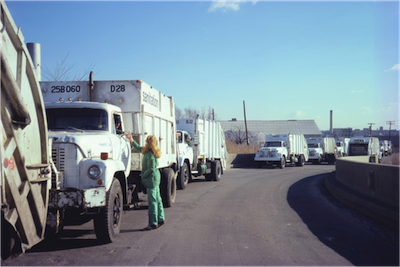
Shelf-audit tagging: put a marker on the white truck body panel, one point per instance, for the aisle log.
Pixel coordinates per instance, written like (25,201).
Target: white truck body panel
(329,145)
(25,148)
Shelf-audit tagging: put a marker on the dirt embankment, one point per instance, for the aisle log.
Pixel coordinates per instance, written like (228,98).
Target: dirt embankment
(391,160)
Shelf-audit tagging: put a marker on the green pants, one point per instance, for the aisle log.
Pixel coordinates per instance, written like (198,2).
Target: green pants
(156,209)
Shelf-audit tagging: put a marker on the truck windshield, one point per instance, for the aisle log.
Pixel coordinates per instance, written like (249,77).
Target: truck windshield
(78,118)
(273,144)
(313,145)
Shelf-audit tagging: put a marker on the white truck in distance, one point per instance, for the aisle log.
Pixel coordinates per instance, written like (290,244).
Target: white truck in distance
(363,146)
(342,147)
(330,150)
(315,150)
(205,154)
(281,149)
(322,149)
(99,172)
(384,147)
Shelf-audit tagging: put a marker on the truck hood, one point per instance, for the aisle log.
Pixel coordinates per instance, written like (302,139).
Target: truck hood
(91,144)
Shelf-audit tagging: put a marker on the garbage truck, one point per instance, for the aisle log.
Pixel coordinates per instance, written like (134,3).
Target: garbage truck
(342,145)
(365,146)
(100,175)
(26,165)
(322,149)
(202,150)
(283,149)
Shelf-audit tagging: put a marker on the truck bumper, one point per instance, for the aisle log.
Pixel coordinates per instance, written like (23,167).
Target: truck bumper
(267,159)
(314,156)
(73,198)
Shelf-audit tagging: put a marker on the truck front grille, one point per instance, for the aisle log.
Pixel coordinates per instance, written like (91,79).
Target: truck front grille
(58,156)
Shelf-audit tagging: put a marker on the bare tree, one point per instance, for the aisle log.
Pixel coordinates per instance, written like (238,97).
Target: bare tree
(63,71)
(236,135)
(191,113)
(178,113)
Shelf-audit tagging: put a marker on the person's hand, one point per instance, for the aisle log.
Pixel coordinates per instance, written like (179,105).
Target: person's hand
(129,137)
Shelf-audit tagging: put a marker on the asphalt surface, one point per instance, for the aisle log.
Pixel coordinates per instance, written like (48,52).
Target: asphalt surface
(267,216)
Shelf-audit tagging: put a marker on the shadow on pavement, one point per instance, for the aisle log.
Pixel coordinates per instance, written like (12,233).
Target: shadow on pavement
(352,235)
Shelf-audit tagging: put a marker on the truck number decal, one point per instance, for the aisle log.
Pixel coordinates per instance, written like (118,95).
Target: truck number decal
(63,89)
(117,88)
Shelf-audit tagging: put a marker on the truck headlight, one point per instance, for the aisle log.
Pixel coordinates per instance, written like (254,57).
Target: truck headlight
(94,172)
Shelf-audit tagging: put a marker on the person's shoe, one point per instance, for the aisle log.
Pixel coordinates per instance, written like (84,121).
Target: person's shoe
(161,223)
(150,227)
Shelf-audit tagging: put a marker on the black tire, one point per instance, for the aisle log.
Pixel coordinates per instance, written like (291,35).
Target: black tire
(107,224)
(10,242)
(168,187)
(282,164)
(216,170)
(303,160)
(183,177)
(300,161)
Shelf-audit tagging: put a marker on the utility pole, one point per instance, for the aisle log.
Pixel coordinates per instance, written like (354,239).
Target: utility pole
(370,128)
(390,128)
(245,123)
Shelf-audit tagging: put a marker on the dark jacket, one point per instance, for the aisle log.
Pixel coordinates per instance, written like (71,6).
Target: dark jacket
(150,173)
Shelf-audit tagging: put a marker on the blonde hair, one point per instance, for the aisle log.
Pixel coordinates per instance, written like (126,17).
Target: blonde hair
(152,144)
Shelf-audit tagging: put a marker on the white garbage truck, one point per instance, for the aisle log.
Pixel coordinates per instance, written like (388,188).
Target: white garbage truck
(384,144)
(365,146)
(281,149)
(315,149)
(100,175)
(330,150)
(322,149)
(342,145)
(26,149)
(201,150)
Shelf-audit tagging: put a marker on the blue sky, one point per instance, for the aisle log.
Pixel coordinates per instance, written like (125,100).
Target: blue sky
(285,59)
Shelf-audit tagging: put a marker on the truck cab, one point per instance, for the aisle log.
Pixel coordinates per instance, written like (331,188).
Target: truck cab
(93,158)
(273,152)
(185,158)
(315,150)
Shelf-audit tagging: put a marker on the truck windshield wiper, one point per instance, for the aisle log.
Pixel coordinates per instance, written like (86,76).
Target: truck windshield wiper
(76,129)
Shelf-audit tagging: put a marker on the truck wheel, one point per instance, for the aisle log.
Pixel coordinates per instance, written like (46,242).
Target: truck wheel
(300,161)
(10,242)
(282,164)
(183,177)
(215,170)
(168,187)
(107,223)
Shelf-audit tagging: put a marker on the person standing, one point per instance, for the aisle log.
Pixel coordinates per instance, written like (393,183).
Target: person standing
(151,179)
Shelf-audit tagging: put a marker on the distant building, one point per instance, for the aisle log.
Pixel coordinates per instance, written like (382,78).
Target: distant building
(235,130)
(342,132)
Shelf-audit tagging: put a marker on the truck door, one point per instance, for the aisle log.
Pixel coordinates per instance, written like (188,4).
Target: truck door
(121,145)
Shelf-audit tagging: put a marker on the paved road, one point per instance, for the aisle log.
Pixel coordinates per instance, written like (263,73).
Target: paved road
(251,216)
